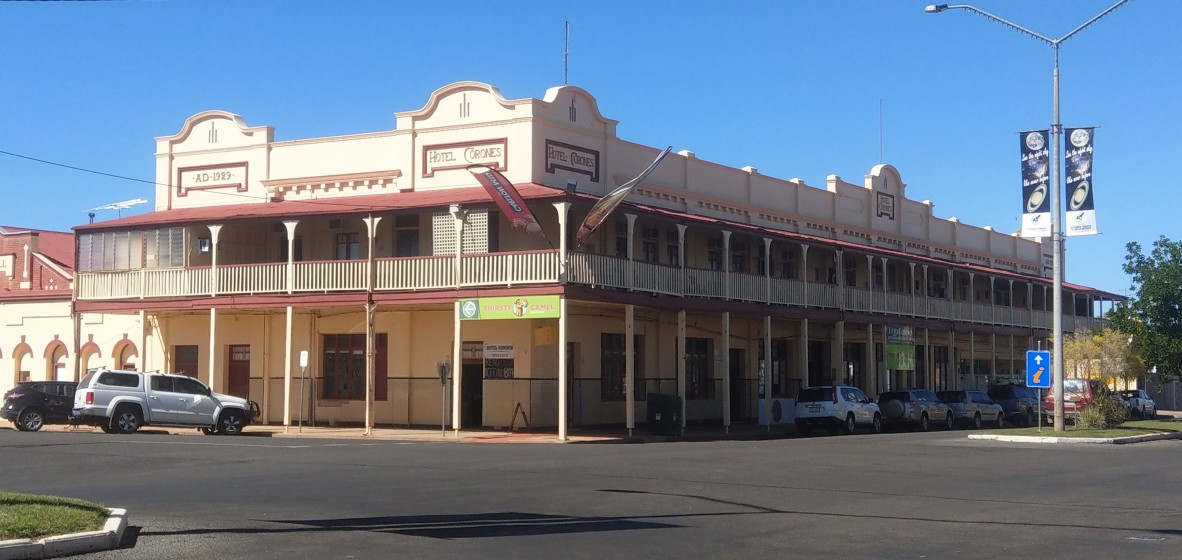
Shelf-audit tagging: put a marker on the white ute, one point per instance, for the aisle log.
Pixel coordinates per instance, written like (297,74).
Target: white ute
(120,401)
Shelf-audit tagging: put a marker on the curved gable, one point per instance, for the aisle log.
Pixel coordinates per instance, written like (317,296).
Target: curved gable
(459,103)
(220,129)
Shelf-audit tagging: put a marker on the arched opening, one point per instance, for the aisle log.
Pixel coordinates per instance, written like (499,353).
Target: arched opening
(125,355)
(19,371)
(88,350)
(55,362)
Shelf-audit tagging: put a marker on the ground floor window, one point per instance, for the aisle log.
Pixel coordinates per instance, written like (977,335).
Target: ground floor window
(698,384)
(612,365)
(343,362)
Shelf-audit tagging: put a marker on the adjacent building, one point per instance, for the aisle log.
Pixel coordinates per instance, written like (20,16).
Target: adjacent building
(369,278)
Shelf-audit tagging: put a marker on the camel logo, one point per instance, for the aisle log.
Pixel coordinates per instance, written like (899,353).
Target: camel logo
(520,307)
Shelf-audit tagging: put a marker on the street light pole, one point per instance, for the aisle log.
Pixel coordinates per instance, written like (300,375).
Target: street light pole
(1056,170)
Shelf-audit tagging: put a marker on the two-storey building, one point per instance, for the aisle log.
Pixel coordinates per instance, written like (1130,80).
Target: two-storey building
(383,258)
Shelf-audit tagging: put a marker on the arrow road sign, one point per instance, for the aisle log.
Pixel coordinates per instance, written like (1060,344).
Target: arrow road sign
(1038,369)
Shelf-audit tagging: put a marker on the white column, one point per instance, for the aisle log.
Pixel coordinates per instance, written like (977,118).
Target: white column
(563,380)
(457,369)
(804,352)
(838,353)
(767,270)
(973,358)
(563,209)
(681,384)
(629,367)
(143,342)
(870,380)
(804,277)
(214,231)
(213,348)
(681,253)
(370,374)
(768,370)
(992,358)
(631,283)
(726,264)
(951,376)
(287,345)
(929,367)
(726,370)
(457,215)
(291,230)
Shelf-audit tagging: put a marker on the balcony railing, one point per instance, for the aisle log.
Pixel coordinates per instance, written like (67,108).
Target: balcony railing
(542,267)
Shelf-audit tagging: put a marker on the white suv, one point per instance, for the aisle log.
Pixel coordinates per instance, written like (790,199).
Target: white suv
(837,408)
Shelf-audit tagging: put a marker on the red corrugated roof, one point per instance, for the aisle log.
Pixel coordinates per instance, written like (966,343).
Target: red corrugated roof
(322,206)
(56,245)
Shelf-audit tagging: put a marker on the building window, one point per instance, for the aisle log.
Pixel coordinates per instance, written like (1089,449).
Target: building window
(113,250)
(739,257)
(714,253)
(164,248)
(673,247)
(406,235)
(622,240)
(878,277)
(348,248)
(297,249)
(787,263)
(698,384)
(185,359)
(343,365)
(851,273)
(612,374)
(650,238)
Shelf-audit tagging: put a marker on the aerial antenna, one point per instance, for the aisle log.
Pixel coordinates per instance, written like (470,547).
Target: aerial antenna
(880,130)
(566,57)
(118,206)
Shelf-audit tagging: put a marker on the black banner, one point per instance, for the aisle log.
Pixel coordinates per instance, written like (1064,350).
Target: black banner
(1077,154)
(1036,193)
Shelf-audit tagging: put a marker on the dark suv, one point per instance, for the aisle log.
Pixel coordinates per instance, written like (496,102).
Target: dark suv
(1020,403)
(33,404)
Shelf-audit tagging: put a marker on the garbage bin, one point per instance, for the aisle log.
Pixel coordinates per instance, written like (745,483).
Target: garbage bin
(664,414)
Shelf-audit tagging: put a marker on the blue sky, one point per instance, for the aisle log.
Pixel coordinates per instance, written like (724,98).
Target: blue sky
(792,88)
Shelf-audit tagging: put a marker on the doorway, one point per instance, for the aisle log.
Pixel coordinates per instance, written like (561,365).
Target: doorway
(472,395)
(740,395)
(239,371)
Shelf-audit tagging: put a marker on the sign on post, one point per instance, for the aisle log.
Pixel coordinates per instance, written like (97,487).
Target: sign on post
(1038,369)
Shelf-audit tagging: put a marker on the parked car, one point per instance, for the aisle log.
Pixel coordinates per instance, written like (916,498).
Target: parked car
(1139,403)
(837,408)
(33,404)
(972,408)
(1020,403)
(123,401)
(1078,394)
(918,408)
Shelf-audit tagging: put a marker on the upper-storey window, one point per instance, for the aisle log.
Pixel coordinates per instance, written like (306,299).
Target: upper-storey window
(406,235)
(739,257)
(348,247)
(787,263)
(650,239)
(851,273)
(714,253)
(673,247)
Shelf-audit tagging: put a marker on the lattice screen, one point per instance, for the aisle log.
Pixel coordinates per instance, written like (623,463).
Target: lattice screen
(443,233)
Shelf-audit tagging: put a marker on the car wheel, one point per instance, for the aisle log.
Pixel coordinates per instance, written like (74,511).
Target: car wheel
(1001,420)
(209,431)
(107,429)
(30,420)
(230,423)
(1149,415)
(977,421)
(923,423)
(949,422)
(850,423)
(876,424)
(127,420)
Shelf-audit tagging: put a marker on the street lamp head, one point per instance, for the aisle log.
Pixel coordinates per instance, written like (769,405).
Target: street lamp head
(935,8)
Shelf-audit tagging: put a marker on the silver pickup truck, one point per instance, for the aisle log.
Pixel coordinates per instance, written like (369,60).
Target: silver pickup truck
(121,401)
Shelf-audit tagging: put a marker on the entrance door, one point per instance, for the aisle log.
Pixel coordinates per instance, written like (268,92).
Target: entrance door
(239,370)
(472,396)
(739,393)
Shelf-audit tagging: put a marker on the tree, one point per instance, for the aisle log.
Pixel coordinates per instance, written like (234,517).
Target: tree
(1106,354)
(1153,315)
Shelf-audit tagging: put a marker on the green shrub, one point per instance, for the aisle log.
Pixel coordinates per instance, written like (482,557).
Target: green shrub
(1106,412)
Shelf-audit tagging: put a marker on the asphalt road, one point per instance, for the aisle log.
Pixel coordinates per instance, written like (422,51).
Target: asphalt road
(900,495)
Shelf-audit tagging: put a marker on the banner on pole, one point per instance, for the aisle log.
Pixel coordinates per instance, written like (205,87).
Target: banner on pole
(611,200)
(1036,194)
(507,198)
(1081,210)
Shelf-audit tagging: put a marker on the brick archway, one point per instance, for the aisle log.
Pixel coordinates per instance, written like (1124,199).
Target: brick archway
(124,350)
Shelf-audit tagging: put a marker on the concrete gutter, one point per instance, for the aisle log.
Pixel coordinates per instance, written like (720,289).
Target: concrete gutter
(68,545)
(1059,439)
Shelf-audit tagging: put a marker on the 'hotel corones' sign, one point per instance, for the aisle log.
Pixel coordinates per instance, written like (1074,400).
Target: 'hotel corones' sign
(572,158)
(442,157)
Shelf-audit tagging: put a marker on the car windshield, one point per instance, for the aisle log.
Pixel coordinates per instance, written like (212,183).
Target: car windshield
(949,396)
(815,394)
(1075,386)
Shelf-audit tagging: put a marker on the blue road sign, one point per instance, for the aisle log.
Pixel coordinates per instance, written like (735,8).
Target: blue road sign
(1038,369)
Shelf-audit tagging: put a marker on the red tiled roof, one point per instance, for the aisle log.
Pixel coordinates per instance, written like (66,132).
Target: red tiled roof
(56,245)
(322,206)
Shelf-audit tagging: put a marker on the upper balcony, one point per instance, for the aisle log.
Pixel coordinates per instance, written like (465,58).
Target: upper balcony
(509,269)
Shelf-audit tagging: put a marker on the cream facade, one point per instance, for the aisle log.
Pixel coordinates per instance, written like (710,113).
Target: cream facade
(723,285)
